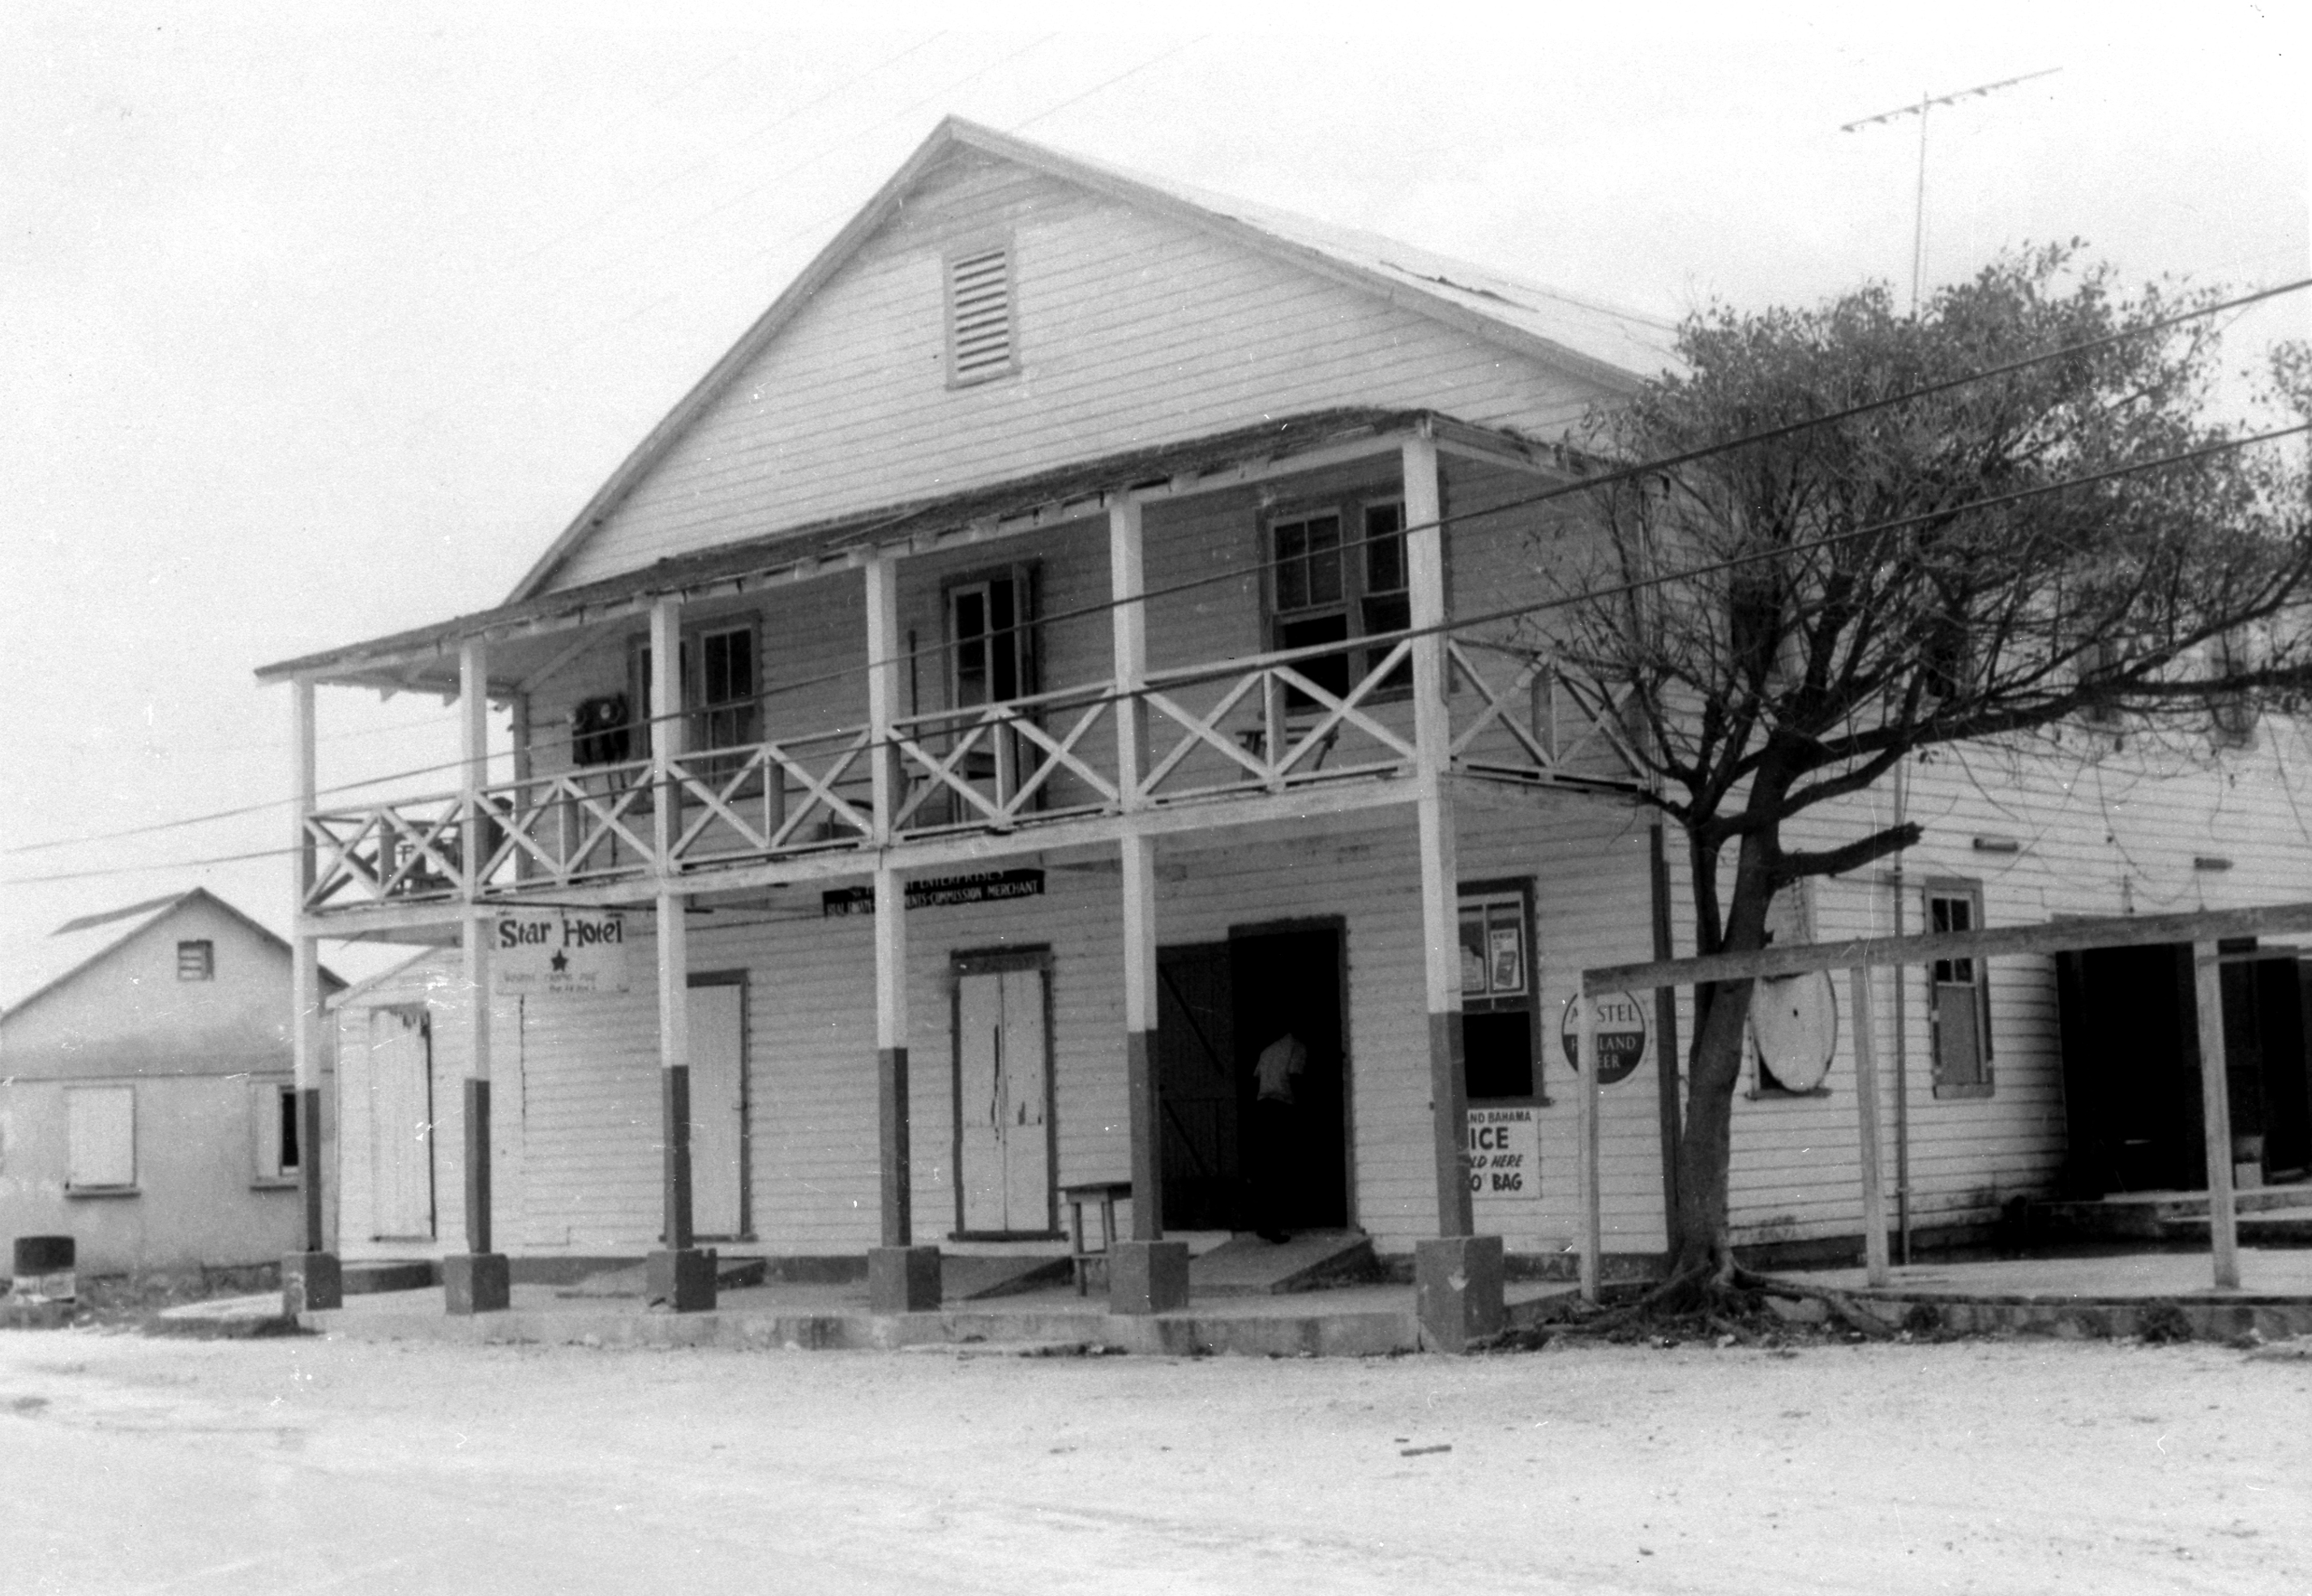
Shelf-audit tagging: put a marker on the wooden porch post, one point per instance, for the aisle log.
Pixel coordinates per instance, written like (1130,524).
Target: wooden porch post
(310,1276)
(1588,1187)
(1147,1274)
(1458,1276)
(1866,1116)
(901,1276)
(1441,909)
(476,1281)
(2216,1110)
(678,1274)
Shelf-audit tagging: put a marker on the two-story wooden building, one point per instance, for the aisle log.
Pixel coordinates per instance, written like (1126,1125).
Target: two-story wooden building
(1077,585)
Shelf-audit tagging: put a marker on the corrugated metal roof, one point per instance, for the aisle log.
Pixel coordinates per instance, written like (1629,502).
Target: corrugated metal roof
(1627,340)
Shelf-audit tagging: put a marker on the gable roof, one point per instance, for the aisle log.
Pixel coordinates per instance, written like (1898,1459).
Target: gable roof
(76,944)
(1613,347)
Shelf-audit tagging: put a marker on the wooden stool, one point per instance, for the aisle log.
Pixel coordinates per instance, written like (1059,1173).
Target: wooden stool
(1105,1193)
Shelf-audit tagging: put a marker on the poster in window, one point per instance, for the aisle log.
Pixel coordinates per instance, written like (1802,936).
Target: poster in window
(1509,957)
(1473,954)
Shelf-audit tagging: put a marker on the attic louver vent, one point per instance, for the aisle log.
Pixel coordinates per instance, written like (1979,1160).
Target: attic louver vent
(979,316)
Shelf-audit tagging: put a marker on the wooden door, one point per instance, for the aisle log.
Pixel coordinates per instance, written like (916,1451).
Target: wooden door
(1198,1092)
(401,1126)
(718,1107)
(1004,1096)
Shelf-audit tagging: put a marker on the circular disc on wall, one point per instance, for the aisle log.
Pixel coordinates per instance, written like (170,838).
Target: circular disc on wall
(1794,1025)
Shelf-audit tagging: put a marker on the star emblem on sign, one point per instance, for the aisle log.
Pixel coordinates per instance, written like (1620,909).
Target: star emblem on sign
(561,961)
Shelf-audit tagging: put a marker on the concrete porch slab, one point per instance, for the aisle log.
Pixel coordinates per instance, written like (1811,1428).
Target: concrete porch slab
(1249,1267)
(2113,1294)
(1355,1322)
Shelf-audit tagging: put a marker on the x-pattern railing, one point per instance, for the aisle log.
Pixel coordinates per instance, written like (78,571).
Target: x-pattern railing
(1254,727)
(569,825)
(1546,729)
(981,765)
(742,798)
(407,849)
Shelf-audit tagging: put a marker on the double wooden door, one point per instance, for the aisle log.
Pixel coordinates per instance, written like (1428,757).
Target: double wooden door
(1003,1153)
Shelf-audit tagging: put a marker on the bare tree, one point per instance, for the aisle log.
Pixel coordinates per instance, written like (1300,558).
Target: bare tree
(1784,621)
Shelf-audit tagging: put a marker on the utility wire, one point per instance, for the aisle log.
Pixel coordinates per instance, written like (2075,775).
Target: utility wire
(1510,612)
(1257,567)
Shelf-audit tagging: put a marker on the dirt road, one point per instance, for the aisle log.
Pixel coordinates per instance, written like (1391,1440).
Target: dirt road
(134,1465)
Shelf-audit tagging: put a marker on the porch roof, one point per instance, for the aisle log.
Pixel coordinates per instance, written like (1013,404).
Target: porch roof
(425,658)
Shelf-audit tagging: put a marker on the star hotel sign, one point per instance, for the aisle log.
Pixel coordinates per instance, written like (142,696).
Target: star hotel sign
(553,952)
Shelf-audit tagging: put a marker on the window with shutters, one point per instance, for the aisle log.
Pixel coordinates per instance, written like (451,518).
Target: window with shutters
(100,1138)
(982,331)
(1958,998)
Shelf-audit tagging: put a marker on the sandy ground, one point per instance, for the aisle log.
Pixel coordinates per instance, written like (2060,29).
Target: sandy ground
(136,1465)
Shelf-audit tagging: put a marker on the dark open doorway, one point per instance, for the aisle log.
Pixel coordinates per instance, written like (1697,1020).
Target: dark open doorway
(2132,1066)
(1220,1004)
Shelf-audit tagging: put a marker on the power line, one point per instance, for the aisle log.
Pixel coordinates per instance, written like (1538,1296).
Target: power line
(1257,567)
(1487,618)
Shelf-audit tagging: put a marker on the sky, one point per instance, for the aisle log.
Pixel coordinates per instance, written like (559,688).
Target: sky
(319,322)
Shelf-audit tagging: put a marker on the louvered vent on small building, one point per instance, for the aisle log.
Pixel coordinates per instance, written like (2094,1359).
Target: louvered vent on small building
(980,341)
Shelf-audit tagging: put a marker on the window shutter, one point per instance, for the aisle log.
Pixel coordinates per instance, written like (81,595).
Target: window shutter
(979,340)
(100,1135)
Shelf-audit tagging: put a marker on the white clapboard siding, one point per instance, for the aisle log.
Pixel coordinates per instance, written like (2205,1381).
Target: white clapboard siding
(1132,329)
(432,984)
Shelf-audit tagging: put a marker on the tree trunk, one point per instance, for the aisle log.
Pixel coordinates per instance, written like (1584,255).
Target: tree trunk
(1701,1256)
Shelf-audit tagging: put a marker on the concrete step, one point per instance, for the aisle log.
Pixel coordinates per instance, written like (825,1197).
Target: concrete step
(1249,1267)
(2155,1215)
(375,1274)
(973,1277)
(629,1280)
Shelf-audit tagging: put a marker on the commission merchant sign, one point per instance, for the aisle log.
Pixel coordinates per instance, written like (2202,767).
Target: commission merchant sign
(990,887)
(551,952)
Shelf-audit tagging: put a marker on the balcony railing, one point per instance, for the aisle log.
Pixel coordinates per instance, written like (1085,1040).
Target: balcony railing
(1264,725)
(1000,765)
(1238,728)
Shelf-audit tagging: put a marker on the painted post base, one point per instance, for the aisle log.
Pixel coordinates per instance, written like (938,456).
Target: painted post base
(477,1282)
(903,1279)
(311,1281)
(1147,1277)
(1457,1291)
(683,1282)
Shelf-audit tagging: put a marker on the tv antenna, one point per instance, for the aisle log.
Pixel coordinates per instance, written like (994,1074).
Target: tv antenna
(1926,102)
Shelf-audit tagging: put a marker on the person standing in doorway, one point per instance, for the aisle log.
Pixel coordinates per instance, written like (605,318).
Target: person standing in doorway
(1276,1074)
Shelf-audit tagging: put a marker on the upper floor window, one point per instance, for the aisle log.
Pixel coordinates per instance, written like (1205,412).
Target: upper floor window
(981,345)
(1336,575)
(721,690)
(990,652)
(195,961)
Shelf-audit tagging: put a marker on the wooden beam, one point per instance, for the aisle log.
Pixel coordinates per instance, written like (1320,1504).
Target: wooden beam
(894,1157)
(2051,936)
(2216,1110)
(1866,1118)
(1440,893)
(1588,1144)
